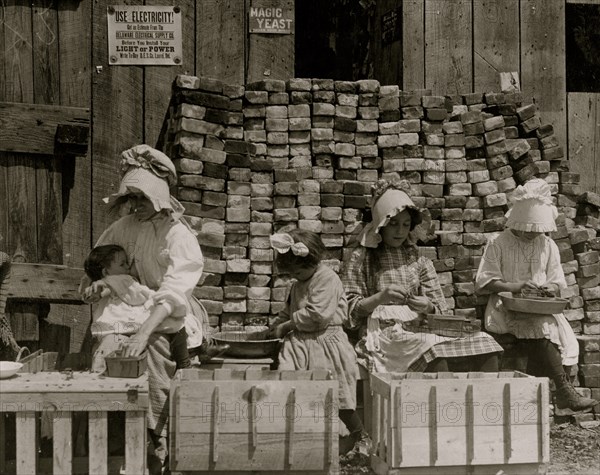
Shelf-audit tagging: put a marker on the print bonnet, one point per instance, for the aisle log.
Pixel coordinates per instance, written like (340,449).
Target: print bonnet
(147,170)
(532,209)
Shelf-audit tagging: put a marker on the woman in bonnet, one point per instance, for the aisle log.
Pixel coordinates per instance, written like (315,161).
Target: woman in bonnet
(164,255)
(522,258)
(388,283)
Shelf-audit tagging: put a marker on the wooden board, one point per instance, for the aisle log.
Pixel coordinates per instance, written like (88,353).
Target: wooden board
(388,66)
(495,42)
(40,282)
(74,16)
(448,47)
(584,138)
(221,40)
(117,105)
(413,44)
(46,84)
(543,75)
(270,56)
(31,128)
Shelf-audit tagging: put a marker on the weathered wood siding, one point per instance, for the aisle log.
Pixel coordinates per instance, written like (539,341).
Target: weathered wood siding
(55,53)
(460,46)
(584,138)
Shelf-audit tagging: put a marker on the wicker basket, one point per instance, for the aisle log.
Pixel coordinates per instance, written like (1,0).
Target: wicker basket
(526,306)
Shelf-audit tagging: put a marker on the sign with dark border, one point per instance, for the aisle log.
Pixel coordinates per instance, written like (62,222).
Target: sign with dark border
(273,20)
(144,35)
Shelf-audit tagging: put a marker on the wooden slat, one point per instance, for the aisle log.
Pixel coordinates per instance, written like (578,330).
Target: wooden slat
(3,199)
(589,2)
(17,59)
(22,235)
(49,210)
(62,445)
(3,442)
(45,33)
(220,47)
(46,282)
(495,42)
(74,16)
(135,442)
(448,46)
(30,128)
(388,64)
(117,105)
(413,44)
(584,138)
(158,79)
(271,56)
(543,75)
(26,443)
(98,442)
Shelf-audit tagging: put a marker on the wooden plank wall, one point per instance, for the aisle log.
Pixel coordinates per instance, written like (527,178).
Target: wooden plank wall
(584,138)
(459,46)
(130,102)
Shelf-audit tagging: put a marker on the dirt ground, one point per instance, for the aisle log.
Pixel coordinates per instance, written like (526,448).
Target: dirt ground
(573,451)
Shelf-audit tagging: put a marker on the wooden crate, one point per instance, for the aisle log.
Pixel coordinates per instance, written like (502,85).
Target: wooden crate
(253,421)
(59,395)
(482,423)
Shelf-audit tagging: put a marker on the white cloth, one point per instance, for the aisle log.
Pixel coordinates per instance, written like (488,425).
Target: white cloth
(166,257)
(395,349)
(512,259)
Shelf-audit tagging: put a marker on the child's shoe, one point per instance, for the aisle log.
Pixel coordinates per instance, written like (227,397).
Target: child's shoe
(567,397)
(363,445)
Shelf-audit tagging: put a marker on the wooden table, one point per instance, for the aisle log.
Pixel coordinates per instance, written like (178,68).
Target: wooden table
(61,394)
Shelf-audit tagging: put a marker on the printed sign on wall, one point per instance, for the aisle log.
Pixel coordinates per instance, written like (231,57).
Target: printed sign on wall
(277,20)
(144,35)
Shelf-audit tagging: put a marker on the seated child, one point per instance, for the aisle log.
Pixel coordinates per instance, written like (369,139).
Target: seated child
(312,323)
(126,304)
(523,257)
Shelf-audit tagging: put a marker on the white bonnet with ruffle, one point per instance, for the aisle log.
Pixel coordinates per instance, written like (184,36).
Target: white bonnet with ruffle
(388,205)
(532,209)
(147,170)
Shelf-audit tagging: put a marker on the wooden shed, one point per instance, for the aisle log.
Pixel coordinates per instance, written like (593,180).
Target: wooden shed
(55,74)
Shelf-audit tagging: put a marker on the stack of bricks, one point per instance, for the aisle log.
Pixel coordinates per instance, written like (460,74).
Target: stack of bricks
(275,155)
(586,249)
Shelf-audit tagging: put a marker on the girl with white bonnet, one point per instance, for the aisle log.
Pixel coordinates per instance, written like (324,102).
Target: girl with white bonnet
(523,257)
(164,255)
(388,283)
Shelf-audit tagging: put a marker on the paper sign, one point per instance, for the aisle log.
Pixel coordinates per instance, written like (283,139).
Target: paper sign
(144,35)
(275,20)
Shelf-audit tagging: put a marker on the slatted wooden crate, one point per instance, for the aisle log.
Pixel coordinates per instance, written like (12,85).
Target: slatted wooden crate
(254,421)
(443,423)
(60,395)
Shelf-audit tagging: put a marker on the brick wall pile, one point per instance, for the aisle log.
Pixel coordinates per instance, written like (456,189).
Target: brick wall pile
(276,155)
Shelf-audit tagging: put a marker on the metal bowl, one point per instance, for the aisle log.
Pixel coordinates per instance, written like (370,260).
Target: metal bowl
(247,344)
(538,306)
(9,368)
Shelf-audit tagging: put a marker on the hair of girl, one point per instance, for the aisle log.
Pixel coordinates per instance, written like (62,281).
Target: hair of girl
(315,246)
(100,258)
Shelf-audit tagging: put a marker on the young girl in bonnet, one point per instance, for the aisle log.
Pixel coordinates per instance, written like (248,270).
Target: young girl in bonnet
(388,283)
(523,257)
